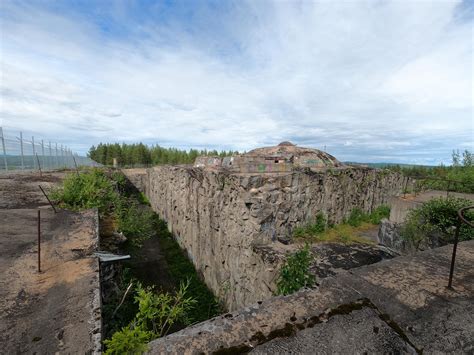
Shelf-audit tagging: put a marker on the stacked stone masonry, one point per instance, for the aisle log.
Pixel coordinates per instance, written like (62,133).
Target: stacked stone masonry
(225,220)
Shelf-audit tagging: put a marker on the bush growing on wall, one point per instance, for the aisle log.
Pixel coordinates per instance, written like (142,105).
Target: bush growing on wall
(295,274)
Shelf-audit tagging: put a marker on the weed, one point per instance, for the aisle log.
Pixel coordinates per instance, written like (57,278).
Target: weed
(157,312)
(295,274)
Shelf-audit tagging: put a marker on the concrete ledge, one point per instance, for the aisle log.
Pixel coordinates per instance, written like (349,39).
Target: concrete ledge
(407,294)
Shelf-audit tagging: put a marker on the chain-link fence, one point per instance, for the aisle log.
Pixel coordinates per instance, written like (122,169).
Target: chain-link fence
(30,153)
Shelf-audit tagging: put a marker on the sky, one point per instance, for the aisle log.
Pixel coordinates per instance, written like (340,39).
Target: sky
(369,81)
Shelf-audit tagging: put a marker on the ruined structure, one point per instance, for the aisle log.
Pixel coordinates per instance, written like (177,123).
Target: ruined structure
(284,157)
(229,218)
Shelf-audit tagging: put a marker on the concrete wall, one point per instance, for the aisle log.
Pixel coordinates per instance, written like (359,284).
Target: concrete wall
(227,222)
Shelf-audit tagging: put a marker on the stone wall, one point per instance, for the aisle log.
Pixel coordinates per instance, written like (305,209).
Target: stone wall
(227,223)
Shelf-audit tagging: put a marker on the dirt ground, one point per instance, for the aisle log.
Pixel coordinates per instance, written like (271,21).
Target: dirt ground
(57,309)
(21,189)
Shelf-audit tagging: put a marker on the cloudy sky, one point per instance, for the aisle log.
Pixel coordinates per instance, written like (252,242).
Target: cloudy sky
(371,81)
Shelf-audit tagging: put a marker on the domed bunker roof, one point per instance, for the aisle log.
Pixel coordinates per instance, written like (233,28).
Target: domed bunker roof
(299,156)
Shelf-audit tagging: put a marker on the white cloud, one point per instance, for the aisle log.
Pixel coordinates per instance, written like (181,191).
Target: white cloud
(369,80)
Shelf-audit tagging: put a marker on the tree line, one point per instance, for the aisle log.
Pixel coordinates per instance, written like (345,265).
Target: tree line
(139,154)
(456,177)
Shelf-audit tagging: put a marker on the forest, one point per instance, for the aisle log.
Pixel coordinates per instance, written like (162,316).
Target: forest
(141,155)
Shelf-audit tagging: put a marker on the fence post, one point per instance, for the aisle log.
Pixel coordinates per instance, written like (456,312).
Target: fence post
(34,151)
(50,157)
(42,153)
(4,150)
(62,157)
(21,151)
(57,158)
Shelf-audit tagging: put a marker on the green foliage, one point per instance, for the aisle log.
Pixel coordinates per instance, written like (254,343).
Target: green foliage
(112,320)
(379,213)
(157,312)
(437,218)
(295,274)
(94,188)
(128,341)
(143,155)
(357,217)
(135,222)
(89,189)
(319,226)
(347,232)
(181,268)
(460,174)
(143,199)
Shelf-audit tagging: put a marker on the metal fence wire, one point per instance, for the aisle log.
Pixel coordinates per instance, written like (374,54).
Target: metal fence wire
(30,153)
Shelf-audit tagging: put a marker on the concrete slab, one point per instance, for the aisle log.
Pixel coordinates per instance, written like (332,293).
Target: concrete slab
(359,332)
(405,298)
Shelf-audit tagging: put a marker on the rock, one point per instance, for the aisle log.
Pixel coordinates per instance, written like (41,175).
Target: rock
(228,213)
(285,240)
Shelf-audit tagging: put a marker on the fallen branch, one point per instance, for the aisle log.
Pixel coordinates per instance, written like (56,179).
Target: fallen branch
(123,299)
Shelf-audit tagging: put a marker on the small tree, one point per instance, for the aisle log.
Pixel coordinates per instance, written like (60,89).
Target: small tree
(156,315)
(456,158)
(295,274)
(467,158)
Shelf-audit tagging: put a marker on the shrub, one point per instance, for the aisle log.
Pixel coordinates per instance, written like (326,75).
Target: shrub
(357,217)
(135,222)
(436,219)
(89,189)
(295,274)
(319,226)
(156,314)
(128,341)
(379,213)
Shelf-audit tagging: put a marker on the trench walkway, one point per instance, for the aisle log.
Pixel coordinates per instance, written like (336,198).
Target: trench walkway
(398,305)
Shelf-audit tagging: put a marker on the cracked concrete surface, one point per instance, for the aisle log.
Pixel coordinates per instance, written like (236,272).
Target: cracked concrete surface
(395,306)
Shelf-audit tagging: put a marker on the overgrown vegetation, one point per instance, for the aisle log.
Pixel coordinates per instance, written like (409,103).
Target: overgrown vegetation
(143,155)
(295,274)
(434,222)
(112,195)
(96,188)
(157,312)
(460,174)
(89,189)
(347,232)
(181,269)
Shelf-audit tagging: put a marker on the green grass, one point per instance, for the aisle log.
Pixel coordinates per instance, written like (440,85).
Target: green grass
(346,232)
(182,269)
